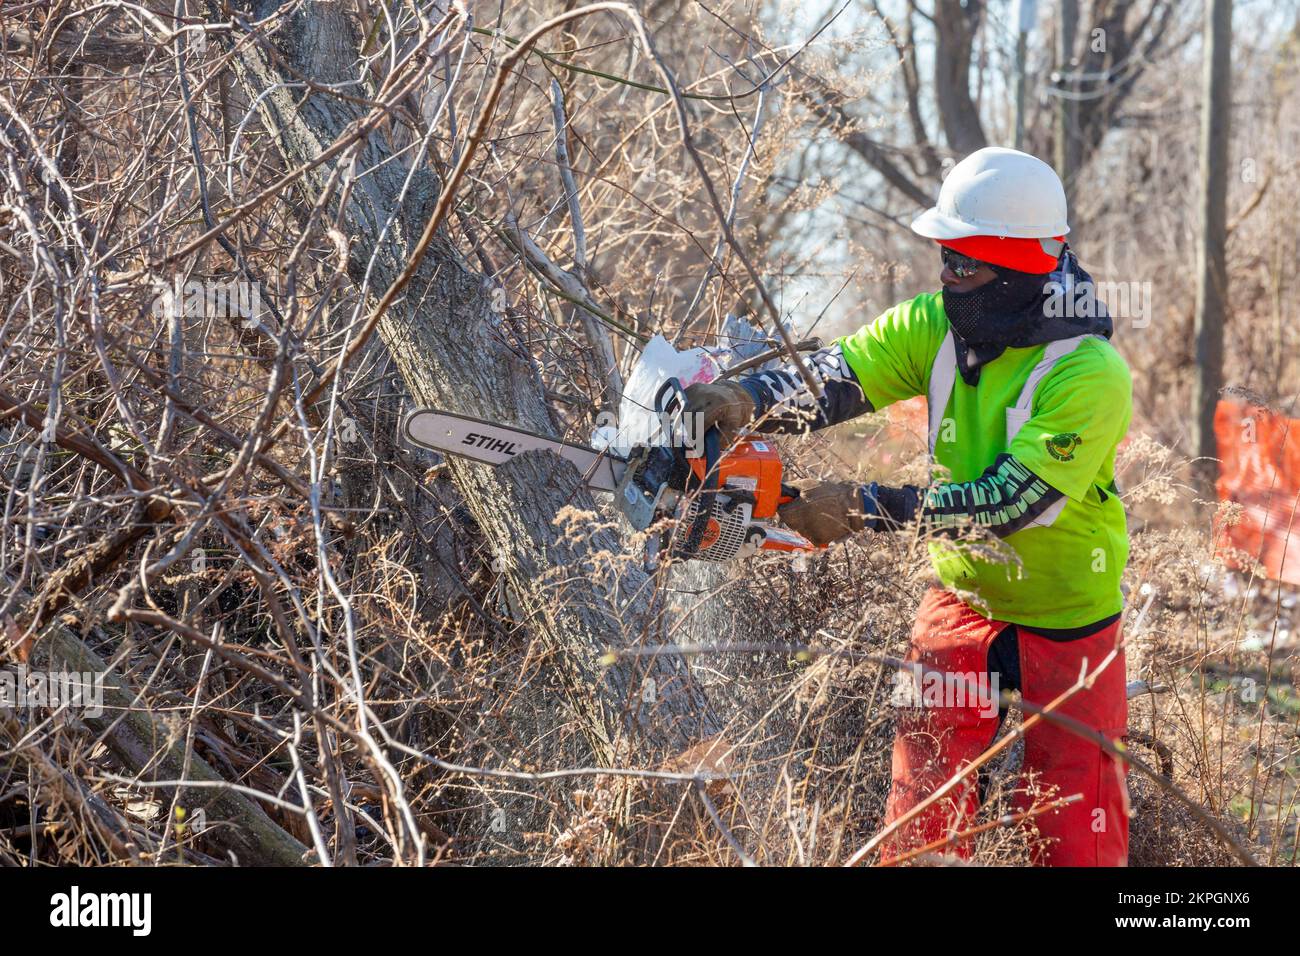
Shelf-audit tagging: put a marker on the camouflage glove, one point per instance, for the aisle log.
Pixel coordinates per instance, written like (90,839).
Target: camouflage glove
(725,404)
(824,511)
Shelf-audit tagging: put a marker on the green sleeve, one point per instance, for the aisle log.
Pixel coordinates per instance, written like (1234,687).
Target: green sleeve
(1081,411)
(892,356)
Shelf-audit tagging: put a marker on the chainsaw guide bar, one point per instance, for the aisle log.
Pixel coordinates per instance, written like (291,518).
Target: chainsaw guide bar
(493,444)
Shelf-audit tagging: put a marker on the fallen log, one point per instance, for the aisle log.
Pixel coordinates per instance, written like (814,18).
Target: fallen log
(146,748)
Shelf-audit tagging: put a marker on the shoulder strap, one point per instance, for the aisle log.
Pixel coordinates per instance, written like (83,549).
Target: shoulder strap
(943,374)
(1054,352)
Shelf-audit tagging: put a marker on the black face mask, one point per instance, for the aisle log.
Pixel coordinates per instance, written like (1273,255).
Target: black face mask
(998,315)
(1001,312)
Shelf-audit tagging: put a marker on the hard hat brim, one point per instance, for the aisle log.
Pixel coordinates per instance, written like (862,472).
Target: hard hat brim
(932,224)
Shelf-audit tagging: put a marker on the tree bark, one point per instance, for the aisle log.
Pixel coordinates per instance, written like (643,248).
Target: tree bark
(454,352)
(1065,117)
(1211,263)
(955,26)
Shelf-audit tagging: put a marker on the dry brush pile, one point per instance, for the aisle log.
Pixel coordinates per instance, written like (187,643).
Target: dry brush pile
(320,643)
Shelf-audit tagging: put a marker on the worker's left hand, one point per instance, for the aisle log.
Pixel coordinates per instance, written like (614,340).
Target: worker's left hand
(825,511)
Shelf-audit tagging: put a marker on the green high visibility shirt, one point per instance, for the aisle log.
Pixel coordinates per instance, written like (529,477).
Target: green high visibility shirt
(1065,575)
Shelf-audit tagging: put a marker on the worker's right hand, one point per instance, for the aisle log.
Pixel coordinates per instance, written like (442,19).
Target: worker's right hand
(728,405)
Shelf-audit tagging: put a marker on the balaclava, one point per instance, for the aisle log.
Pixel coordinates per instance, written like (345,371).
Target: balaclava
(1013,311)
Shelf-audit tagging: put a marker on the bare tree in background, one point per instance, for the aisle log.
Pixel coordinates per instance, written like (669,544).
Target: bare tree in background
(1101,51)
(319,644)
(1211,251)
(1066,135)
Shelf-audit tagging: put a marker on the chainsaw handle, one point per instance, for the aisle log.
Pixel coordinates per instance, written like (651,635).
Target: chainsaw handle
(672,384)
(676,406)
(670,400)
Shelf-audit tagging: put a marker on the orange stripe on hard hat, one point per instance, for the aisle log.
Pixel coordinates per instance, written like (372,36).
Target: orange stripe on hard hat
(1023,255)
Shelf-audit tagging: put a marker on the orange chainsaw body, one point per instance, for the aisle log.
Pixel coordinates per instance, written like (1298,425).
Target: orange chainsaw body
(751,465)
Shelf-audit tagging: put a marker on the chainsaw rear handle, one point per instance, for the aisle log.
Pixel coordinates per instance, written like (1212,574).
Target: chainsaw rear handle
(671,400)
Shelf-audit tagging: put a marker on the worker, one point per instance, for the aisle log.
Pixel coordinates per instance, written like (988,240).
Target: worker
(1028,400)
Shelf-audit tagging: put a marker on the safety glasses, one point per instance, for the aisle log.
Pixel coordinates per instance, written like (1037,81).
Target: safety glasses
(963,267)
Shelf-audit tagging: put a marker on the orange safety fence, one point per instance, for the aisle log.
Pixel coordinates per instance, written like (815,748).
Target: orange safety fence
(1259,452)
(884,447)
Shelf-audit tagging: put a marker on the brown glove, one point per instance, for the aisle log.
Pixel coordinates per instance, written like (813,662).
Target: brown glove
(725,404)
(824,511)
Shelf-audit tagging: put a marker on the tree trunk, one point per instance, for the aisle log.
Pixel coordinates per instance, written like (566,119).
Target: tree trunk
(454,352)
(1211,264)
(955,26)
(1024,17)
(1065,120)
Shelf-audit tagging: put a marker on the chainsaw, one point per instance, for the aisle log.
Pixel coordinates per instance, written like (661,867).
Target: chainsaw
(708,504)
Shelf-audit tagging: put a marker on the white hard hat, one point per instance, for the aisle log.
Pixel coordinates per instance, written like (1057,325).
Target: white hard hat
(997,191)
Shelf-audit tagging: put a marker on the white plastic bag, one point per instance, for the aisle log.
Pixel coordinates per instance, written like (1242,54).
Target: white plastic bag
(638,422)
